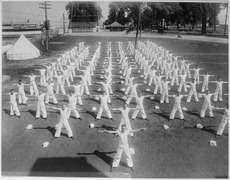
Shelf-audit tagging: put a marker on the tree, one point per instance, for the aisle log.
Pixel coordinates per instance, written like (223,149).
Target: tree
(83,11)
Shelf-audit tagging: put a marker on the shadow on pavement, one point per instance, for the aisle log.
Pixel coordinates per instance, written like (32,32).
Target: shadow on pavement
(64,167)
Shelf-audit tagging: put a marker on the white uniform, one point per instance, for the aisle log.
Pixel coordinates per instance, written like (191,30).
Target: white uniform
(165,92)
(196,74)
(63,121)
(33,86)
(66,77)
(139,105)
(50,93)
(13,105)
(106,89)
(158,84)
(182,83)
(177,107)
(218,91)
(41,108)
(205,82)
(60,84)
(84,85)
(175,77)
(77,93)
(43,77)
(224,121)
(206,105)
(192,92)
(123,146)
(125,119)
(72,105)
(21,94)
(133,93)
(104,106)
(130,82)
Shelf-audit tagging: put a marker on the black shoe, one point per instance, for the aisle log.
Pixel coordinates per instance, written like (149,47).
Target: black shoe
(19,117)
(146,119)
(97,119)
(132,169)
(133,137)
(110,104)
(72,137)
(111,169)
(183,119)
(217,135)
(37,118)
(111,119)
(20,104)
(25,104)
(170,119)
(45,118)
(80,118)
(133,119)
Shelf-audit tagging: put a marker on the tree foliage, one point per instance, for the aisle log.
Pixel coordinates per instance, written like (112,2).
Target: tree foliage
(83,11)
(161,14)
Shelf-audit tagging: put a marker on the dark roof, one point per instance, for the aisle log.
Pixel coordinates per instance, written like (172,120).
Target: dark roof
(115,24)
(82,24)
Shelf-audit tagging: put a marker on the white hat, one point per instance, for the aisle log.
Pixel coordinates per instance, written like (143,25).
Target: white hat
(91,125)
(122,82)
(131,150)
(141,75)
(151,98)
(145,82)
(120,71)
(213,143)
(30,126)
(156,107)
(184,109)
(94,109)
(148,90)
(139,71)
(166,126)
(45,144)
(123,89)
(97,98)
(199,126)
(99,89)
(124,97)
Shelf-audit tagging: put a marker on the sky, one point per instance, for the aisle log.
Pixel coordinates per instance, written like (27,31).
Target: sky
(24,11)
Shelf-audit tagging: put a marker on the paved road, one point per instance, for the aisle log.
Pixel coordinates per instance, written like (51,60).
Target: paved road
(154,35)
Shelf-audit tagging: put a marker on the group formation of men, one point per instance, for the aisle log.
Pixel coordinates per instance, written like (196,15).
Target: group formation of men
(158,68)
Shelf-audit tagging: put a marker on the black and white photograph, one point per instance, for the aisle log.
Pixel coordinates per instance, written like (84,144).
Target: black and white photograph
(115,89)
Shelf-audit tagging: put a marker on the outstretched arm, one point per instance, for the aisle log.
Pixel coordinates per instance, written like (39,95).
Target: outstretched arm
(136,130)
(110,132)
(54,108)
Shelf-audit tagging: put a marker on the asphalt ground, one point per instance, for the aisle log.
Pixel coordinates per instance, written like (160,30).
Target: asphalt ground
(182,151)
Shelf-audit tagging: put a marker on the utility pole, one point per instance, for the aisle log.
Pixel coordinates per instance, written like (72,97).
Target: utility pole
(138,26)
(45,6)
(226,17)
(63,23)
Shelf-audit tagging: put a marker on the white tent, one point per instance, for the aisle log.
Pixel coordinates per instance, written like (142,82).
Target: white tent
(23,49)
(6,48)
